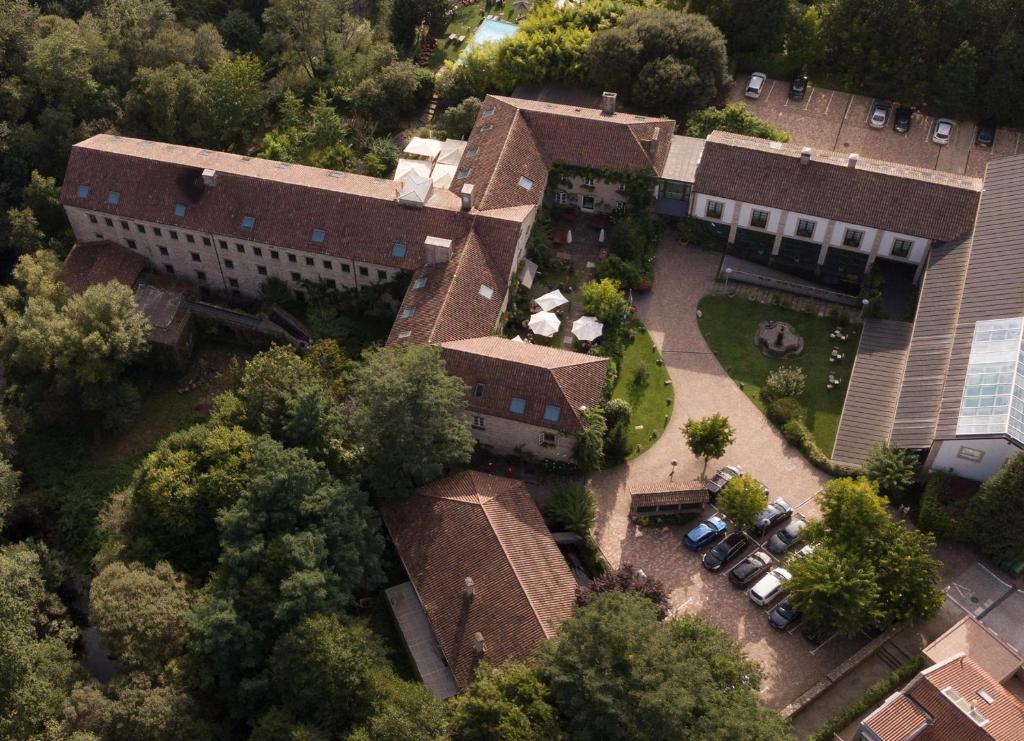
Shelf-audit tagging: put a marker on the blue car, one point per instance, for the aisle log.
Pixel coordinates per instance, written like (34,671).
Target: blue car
(709,530)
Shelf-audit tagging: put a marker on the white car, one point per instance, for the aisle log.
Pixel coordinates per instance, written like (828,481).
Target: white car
(769,587)
(943,131)
(755,85)
(879,115)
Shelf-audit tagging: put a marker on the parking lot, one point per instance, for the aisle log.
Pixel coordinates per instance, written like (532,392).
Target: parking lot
(990,598)
(838,121)
(791,663)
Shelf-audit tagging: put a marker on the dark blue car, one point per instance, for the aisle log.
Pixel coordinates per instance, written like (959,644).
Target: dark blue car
(704,533)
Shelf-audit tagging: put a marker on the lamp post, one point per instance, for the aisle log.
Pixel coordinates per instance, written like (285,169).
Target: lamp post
(672,473)
(863,307)
(728,272)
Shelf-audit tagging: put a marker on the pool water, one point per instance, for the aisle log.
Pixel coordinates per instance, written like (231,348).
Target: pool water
(489,31)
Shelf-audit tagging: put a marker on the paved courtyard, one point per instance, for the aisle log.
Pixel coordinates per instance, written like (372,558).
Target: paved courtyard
(791,664)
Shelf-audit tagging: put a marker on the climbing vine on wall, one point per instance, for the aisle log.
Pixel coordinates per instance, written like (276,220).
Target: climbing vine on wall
(636,184)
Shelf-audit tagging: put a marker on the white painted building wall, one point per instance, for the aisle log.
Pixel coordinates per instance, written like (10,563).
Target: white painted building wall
(793,220)
(957,454)
(506,436)
(917,252)
(700,205)
(839,229)
(747,211)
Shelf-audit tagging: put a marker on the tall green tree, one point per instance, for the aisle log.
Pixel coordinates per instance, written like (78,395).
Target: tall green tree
(402,710)
(854,516)
(994,517)
(835,592)
(234,100)
(742,499)
(409,419)
(735,117)
(604,299)
(954,86)
(509,702)
(709,437)
(892,468)
(589,446)
(749,25)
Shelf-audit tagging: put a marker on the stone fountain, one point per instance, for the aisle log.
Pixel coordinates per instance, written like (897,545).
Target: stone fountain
(778,339)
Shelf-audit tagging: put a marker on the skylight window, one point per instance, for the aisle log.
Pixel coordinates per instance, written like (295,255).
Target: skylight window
(487,111)
(993,398)
(517,406)
(318,236)
(248,222)
(486,291)
(463,173)
(472,151)
(525,183)
(113,198)
(485,128)
(408,311)
(398,250)
(405,333)
(83,191)
(179,209)
(552,412)
(419,283)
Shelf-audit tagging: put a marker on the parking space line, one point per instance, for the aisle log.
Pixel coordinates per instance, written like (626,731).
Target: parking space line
(807,500)
(793,630)
(822,644)
(770,89)
(810,97)
(828,105)
(989,572)
(1016,146)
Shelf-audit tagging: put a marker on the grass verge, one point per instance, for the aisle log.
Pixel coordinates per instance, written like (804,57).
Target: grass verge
(729,326)
(642,382)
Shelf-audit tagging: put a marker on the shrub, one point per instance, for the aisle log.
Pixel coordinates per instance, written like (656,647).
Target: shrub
(785,410)
(627,578)
(933,516)
(786,380)
(589,450)
(616,412)
(794,432)
(626,273)
(894,469)
(641,376)
(573,506)
(700,233)
(616,442)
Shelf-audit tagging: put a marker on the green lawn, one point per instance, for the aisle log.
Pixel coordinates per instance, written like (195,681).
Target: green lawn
(463,23)
(651,399)
(729,326)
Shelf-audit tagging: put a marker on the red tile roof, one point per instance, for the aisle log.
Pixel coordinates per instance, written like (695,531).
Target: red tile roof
(486,528)
(908,200)
(90,263)
(539,375)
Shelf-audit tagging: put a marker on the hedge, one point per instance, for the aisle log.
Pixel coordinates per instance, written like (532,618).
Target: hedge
(933,516)
(797,434)
(785,410)
(875,694)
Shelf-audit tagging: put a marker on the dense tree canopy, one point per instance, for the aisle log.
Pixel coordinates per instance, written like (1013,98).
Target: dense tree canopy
(742,499)
(736,118)
(994,518)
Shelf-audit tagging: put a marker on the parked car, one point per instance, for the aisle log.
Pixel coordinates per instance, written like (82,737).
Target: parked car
(755,85)
(787,537)
(879,115)
(723,477)
(725,551)
(986,135)
(770,586)
(783,616)
(943,131)
(901,120)
(706,532)
(750,568)
(798,88)
(776,512)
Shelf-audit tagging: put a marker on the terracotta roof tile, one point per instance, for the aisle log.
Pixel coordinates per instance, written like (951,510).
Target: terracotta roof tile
(487,528)
(651,493)
(539,375)
(907,200)
(90,263)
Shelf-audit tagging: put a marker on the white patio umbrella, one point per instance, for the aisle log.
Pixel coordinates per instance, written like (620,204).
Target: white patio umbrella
(568,236)
(517,338)
(551,300)
(600,237)
(587,328)
(544,323)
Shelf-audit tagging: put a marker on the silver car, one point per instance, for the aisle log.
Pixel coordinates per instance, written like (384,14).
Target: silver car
(755,85)
(879,115)
(787,537)
(943,131)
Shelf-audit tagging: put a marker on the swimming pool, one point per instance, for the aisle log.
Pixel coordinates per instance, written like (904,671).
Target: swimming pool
(489,31)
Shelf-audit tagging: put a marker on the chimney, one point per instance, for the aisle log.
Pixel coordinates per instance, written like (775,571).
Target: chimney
(467,196)
(469,589)
(437,250)
(852,162)
(479,647)
(805,156)
(608,103)
(209,177)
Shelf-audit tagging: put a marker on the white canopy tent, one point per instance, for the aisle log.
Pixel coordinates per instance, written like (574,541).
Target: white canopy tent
(412,167)
(451,152)
(421,147)
(544,323)
(551,300)
(442,175)
(587,328)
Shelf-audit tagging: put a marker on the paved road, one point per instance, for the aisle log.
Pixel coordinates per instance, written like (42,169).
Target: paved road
(702,387)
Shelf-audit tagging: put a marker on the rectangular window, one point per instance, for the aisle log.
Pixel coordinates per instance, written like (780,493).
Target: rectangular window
(398,250)
(472,151)
(478,422)
(233,282)
(239,247)
(561,197)
(517,405)
(248,222)
(970,454)
(479,390)
(174,234)
(157,232)
(113,198)
(200,275)
(179,209)
(190,239)
(82,191)
(229,264)
(261,270)
(328,265)
(318,236)
(140,228)
(548,441)
(714,209)
(346,268)
(223,245)
(196,257)
(108,222)
(257,251)
(408,311)
(124,225)
(292,258)
(131,244)
(207,242)
(588,181)
(169,269)
(759,219)
(587,203)
(296,277)
(552,412)
(275,255)
(163,250)
(852,238)
(310,262)
(382,275)
(419,283)
(364,271)
(676,191)
(92,219)
(525,183)
(805,228)
(329,281)
(902,247)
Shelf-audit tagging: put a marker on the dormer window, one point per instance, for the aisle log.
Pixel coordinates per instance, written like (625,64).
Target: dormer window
(525,183)
(248,222)
(113,198)
(179,209)
(486,112)
(419,283)
(472,151)
(318,236)
(398,250)
(82,191)
(552,412)
(404,334)
(408,311)
(486,291)
(463,173)
(517,406)
(485,128)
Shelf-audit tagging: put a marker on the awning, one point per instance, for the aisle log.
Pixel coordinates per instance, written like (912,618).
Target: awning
(429,148)
(528,272)
(451,152)
(544,323)
(551,300)
(412,167)
(442,175)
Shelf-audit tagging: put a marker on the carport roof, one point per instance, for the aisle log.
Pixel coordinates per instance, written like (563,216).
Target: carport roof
(908,200)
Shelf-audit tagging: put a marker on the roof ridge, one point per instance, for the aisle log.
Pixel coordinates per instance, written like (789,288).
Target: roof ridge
(586,357)
(518,117)
(448,290)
